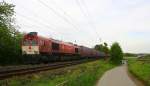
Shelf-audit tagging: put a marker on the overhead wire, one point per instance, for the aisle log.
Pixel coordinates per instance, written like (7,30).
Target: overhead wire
(87,15)
(37,22)
(58,14)
(37,16)
(38,28)
(42,23)
(64,12)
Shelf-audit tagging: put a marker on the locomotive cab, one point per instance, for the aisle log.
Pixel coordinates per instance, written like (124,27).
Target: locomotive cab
(30,44)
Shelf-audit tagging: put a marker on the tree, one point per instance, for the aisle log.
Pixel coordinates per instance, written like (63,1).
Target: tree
(130,55)
(9,37)
(116,53)
(102,47)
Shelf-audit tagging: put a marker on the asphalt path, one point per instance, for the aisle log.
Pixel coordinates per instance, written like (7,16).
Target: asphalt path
(116,77)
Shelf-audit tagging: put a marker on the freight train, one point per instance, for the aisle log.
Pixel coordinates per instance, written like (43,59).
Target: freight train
(38,49)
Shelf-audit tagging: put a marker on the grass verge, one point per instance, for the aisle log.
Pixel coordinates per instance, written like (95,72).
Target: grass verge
(140,69)
(85,74)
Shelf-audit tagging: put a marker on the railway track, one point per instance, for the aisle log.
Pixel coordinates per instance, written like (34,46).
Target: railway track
(21,71)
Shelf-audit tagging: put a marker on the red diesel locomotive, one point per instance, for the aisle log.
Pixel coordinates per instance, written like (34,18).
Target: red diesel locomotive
(37,49)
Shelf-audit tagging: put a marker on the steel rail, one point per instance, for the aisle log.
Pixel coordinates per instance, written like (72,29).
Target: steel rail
(8,74)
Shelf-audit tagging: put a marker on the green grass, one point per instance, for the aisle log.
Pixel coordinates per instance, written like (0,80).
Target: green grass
(141,70)
(85,74)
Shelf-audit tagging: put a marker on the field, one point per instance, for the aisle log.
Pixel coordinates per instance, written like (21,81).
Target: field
(141,69)
(85,74)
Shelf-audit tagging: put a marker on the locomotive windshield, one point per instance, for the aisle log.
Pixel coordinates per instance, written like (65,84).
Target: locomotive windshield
(30,42)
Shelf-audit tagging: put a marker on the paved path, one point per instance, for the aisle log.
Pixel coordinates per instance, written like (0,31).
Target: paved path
(116,77)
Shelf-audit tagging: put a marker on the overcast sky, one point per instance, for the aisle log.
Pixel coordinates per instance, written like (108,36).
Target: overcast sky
(89,22)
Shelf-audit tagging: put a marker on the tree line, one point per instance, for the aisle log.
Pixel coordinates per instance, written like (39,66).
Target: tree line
(114,53)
